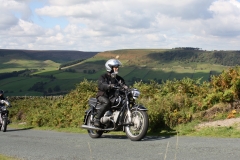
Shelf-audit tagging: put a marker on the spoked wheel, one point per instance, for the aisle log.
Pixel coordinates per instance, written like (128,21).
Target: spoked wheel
(4,125)
(93,133)
(139,128)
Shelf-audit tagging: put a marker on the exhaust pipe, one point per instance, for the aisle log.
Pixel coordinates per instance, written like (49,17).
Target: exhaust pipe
(90,127)
(95,128)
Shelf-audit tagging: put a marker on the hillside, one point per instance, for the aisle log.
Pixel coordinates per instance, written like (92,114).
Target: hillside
(54,55)
(181,56)
(17,60)
(38,76)
(163,64)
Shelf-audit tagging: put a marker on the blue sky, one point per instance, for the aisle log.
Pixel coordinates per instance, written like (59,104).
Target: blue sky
(101,25)
(45,21)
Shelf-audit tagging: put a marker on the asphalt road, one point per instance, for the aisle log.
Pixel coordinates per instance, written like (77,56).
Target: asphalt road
(32,144)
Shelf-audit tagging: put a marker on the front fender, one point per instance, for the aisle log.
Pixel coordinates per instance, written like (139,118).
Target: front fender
(139,107)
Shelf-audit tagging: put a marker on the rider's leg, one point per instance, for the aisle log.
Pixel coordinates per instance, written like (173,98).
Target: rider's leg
(105,103)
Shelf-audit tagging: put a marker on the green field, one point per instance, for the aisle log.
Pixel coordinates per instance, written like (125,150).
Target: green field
(19,64)
(18,86)
(138,65)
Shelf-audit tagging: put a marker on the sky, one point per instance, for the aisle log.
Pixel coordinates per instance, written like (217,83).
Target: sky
(103,25)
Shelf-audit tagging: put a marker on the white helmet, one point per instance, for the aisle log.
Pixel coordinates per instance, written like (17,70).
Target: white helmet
(112,63)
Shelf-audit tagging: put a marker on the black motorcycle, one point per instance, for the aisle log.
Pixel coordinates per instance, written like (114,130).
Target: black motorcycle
(4,121)
(125,115)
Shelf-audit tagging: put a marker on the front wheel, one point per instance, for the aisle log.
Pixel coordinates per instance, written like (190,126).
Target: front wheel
(4,125)
(140,125)
(93,133)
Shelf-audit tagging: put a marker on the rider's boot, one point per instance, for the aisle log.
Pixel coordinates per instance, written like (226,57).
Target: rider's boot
(99,114)
(96,122)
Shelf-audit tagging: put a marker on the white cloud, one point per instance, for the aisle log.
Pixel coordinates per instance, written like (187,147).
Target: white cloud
(6,21)
(115,24)
(225,21)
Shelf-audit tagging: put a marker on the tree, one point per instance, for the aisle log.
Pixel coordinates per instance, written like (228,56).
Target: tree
(57,88)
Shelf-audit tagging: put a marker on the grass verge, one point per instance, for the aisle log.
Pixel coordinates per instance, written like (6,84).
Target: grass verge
(221,132)
(3,157)
(190,129)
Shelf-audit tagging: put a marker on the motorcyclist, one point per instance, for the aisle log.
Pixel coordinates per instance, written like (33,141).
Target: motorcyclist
(2,104)
(2,96)
(106,84)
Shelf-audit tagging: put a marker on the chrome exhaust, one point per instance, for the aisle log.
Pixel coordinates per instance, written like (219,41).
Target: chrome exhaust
(90,127)
(96,128)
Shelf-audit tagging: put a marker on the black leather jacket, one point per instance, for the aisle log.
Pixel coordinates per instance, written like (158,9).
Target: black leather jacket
(103,84)
(2,97)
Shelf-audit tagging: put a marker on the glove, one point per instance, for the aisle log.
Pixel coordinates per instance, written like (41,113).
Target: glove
(110,86)
(125,87)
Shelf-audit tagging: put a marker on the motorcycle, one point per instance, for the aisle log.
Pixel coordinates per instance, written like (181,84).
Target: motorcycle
(4,121)
(124,115)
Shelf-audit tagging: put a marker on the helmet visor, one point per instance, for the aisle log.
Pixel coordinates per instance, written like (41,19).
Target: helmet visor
(115,66)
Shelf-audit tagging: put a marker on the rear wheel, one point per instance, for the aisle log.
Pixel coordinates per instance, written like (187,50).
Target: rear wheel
(139,128)
(93,133)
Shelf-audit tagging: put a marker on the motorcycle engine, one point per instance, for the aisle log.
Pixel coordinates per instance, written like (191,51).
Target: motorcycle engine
(115,116)
(109,115)
(106,118)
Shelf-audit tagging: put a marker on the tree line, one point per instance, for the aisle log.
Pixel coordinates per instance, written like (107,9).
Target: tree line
(226,58)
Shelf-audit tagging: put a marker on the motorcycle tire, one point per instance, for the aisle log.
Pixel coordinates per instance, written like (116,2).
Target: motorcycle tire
(4,125)
(140,125)
(93,133)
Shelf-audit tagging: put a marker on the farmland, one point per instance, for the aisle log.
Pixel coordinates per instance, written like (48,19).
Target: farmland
(45,77)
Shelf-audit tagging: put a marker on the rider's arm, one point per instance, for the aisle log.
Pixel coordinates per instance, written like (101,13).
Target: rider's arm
(103,84)
(122,81)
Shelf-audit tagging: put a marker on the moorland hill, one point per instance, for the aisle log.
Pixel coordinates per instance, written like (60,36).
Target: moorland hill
(57,72)
(54,55)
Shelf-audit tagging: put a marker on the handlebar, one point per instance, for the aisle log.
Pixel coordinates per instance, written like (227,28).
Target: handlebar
(5,102)
(116,87)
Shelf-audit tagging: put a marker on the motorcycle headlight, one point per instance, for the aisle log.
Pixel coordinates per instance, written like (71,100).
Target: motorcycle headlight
(135,93)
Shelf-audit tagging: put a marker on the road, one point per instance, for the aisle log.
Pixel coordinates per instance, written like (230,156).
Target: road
(30,144)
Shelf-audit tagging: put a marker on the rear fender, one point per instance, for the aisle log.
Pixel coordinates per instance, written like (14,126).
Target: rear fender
(139,107)
(87,113)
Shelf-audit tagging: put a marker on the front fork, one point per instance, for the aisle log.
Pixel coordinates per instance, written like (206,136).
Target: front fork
(129,115)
